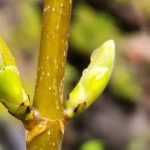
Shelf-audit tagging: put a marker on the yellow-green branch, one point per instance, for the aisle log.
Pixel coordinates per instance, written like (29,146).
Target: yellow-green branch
(50,74)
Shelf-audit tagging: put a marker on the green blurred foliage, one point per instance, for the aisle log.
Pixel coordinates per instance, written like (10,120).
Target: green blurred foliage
(93,145)
(141,142)
(27,31)
(124,83)
(3,110)
(143,5)
(90,29)
(1,147)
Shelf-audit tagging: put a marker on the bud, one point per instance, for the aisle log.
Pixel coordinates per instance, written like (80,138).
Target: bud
(93,81)
(12,94)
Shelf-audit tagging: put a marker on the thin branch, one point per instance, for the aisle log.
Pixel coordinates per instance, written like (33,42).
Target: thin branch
(50,75)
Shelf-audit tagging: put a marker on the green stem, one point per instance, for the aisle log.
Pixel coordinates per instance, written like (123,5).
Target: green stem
(50,76)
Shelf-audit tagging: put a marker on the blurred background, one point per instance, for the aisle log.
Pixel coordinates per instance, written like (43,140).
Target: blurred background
(120,120)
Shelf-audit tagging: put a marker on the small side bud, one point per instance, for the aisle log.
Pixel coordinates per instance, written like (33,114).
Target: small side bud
(93,81)
(12,94)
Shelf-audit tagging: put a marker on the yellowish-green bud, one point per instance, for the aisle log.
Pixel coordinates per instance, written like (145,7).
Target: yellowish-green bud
(93,81)
(12,94)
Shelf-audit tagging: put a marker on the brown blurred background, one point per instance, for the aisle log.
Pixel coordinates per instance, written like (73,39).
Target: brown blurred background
(120,120)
